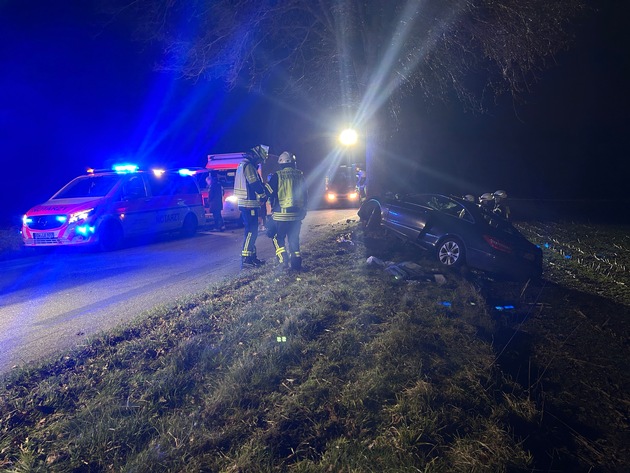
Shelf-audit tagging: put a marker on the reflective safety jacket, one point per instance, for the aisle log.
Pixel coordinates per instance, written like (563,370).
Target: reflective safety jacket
(289,194)
(248,186)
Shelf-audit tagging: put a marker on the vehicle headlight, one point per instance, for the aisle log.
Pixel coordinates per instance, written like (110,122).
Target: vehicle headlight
(232,198)
(353,195)
(26,220)
(331,196)
(80,215)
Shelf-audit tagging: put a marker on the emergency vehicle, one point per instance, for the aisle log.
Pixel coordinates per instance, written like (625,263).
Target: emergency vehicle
(341,187)
(225,166)
(105,207)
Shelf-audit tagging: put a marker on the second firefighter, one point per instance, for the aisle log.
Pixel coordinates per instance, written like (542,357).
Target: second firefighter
(289,198)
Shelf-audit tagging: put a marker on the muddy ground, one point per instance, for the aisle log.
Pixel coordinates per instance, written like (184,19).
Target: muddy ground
(565,339)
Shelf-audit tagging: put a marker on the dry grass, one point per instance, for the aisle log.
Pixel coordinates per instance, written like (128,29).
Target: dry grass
(341,368)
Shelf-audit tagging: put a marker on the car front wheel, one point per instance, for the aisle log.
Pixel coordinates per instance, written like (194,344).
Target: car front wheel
(189,227)
(450,253)
(110,236)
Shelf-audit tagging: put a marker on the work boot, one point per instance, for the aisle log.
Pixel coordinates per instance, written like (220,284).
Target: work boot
(251,261)
(296,263)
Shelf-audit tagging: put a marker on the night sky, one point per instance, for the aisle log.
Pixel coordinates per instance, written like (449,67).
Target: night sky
(75,94)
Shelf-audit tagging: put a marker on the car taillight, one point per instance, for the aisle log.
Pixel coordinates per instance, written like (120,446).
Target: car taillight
(497,244)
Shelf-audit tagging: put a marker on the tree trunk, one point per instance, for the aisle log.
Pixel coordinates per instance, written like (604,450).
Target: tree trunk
(375,158)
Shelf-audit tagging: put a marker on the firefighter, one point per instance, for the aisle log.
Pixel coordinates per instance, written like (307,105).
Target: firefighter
(251,192)
(288,209)
(361,183)
(500,204)
(486,201)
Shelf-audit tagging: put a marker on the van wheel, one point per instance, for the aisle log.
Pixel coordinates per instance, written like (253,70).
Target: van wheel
(189,227)
(110,236)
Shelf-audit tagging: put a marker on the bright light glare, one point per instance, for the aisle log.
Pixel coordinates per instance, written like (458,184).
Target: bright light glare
(348,137)
(123,168)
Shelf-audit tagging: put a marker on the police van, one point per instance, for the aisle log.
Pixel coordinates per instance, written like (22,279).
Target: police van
(105,207)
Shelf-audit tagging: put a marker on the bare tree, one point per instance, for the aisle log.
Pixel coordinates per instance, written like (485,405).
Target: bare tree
(362,55)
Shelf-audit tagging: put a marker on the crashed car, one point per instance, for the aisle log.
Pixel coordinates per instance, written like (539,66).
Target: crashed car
(457,232)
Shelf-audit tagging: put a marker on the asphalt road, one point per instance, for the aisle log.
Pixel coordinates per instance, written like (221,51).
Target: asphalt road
(56,300)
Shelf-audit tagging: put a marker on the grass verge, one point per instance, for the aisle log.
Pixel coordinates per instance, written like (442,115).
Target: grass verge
(344,368)
(340,368)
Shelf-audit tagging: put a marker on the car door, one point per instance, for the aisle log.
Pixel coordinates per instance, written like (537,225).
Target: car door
(406,216)
(133,206)
(168,209)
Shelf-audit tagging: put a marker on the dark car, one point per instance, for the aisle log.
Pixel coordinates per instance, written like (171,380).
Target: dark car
(457,231)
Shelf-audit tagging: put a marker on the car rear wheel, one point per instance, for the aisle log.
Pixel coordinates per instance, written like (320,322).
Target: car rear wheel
(450,253)
(110,236)
(189,227)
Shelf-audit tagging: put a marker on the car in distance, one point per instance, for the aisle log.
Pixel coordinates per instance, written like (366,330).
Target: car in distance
(458,232)
(105,207)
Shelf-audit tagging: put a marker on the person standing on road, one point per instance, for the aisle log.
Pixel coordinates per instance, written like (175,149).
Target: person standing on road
(288,209)
(250,191)
(361,182)
(215,201)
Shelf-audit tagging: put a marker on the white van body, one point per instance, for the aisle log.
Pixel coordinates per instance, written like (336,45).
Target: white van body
(103,208)
(225,166)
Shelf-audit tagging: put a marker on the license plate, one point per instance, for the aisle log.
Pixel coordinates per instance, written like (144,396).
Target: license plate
(43,235)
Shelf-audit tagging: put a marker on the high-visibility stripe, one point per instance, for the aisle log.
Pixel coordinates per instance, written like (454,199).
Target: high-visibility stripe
(245,251)
(284,216)
(248,204)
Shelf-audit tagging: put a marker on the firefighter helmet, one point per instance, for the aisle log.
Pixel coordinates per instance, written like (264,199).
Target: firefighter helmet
(486,198)
(260,153)
(286,158)
(500,195)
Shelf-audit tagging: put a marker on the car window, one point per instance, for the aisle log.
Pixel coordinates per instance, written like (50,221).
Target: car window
(226,177)
(88,186)
(498,222)
(134,188)
(184,185)
(201,177)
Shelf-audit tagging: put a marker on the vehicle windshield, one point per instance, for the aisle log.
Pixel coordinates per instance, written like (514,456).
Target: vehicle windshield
(88,186)
(226,177)
(344,178)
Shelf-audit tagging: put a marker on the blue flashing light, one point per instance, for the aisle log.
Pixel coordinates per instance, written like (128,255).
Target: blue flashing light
(125,168)
(85,230)
(504,307)
(61,218)
(186,172)
(26,220)
(546,245)
(567,256)
(446,304)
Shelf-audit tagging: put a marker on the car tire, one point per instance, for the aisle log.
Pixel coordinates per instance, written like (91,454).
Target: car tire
(450,253)
(190,225)
(110,236)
